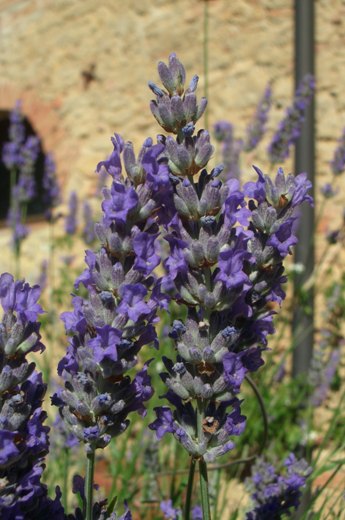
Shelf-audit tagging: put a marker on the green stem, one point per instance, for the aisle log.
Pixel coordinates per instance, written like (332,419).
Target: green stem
(189,489)
(217,488)
(90,467)
(205,49)
(173,479)
(65,479)
(262,409)
(205,500)
(17,258)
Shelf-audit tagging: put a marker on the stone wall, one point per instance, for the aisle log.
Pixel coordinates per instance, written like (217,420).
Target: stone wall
(47,45)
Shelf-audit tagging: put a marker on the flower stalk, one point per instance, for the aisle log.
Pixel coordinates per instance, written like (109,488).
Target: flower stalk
(90,469)
(205,499)
(188,502)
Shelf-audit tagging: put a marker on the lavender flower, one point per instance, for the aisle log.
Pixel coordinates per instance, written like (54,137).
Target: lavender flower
(328,190)
(26,186)
(327,354)
(275,494)
(230,149)
(256,128)
(326,376)
(23,436)
(223,131)
(11,155)
(290,127)
(71,219)
(62,438)
(51,194)
(338,162)
(197,513)
(225,264)
(117,318)
(89,225)
(14,221)
(43,276)
(20,156)
(169,512)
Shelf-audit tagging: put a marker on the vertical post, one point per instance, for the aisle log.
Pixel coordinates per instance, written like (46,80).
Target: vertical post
(303,318)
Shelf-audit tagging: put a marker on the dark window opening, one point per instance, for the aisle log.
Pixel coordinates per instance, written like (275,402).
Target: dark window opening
(36,206)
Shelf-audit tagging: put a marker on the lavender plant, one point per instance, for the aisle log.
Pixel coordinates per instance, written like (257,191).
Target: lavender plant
(225,264)
(222,247)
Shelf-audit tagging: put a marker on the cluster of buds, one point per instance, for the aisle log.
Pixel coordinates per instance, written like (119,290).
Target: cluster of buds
(225,264)
(176,108)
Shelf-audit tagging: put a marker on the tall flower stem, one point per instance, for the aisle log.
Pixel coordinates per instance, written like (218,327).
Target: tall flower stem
(90,467)
(189,489)
(205,500)
(17,258)
(205,52)
(13,178)
(173,479)
(65,478)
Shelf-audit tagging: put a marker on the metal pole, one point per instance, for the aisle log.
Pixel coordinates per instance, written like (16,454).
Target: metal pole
(303,318)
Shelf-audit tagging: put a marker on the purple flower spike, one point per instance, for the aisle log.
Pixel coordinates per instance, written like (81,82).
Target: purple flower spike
(256,128)
(116,318)
(23,435)
(144,245)
(119,203)
(20,155)
(338,162)
(11,152)
(275,494)
(51,195)
(89,225)
(71,219)
(164,422)
(290,127)
(169,512)
(224,263)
